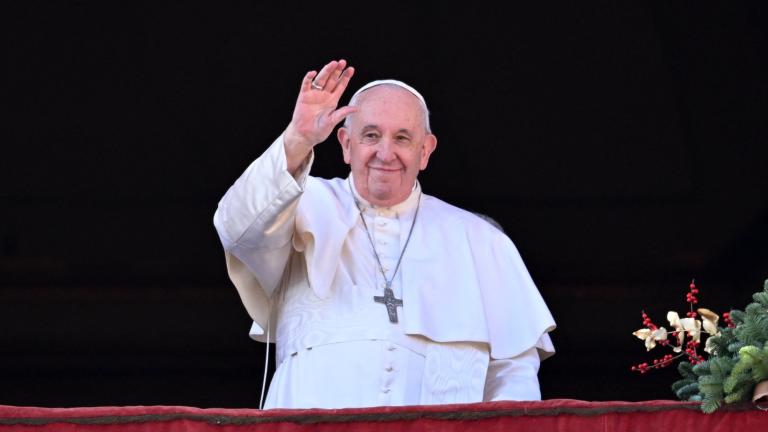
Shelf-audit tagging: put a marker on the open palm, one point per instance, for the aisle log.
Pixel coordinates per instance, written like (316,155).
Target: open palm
(316,112)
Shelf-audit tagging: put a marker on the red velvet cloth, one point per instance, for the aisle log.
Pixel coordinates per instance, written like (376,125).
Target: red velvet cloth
(549,415)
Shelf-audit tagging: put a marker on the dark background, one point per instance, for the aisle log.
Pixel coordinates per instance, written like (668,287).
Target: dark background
(620,144)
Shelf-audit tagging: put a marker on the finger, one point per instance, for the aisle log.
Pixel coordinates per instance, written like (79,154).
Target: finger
(325,72)
(335,76)
(343,81)
(306,83)
(341,113)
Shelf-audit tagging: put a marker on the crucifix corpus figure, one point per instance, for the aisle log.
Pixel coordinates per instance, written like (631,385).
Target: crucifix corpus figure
(390,302)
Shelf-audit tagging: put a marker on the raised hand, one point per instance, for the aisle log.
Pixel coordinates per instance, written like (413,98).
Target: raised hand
(316,112)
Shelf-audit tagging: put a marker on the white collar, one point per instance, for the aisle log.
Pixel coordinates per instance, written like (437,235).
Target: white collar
(403,207)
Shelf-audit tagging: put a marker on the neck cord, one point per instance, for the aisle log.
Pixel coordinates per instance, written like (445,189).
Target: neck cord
(370,239)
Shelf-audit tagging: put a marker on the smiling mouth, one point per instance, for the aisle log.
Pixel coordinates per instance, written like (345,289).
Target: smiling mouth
(385,169)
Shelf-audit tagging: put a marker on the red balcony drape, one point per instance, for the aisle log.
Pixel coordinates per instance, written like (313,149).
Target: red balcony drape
(549,415)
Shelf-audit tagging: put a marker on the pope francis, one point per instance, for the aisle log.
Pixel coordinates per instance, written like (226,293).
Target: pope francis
(375,292)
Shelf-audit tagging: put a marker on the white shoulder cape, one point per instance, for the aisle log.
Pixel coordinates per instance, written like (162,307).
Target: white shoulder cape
(463,279)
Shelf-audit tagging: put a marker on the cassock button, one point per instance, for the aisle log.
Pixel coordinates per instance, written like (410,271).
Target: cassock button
(391,348)
(385,390)
(389,368)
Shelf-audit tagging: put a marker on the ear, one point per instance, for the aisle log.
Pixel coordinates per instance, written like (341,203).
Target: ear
(430,144)
(343,135)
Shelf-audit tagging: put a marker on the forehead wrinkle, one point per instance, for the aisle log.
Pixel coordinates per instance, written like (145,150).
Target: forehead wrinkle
(364,99)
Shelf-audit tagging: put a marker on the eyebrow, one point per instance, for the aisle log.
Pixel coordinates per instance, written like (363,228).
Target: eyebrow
(376,127)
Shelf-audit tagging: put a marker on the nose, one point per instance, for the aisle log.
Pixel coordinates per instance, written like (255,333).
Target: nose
(385,151)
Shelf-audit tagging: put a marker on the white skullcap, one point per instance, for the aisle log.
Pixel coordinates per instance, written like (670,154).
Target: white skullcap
(392,82)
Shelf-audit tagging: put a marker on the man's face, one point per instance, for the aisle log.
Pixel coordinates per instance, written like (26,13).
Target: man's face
(386,144)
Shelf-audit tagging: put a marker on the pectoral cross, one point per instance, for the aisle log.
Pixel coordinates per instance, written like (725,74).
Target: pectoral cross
(390,302)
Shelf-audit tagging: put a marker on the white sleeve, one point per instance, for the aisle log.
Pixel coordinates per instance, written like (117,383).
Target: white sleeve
(255,223)
(513,378)
(257,208)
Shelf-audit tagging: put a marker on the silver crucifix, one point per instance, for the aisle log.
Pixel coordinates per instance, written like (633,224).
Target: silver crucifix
(390,302)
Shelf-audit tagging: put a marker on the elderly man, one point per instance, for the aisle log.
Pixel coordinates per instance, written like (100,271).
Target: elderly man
(375,293)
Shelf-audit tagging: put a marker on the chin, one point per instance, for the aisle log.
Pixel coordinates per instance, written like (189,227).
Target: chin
(381,196)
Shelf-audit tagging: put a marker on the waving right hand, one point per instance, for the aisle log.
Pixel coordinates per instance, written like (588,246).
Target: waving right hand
(316,112)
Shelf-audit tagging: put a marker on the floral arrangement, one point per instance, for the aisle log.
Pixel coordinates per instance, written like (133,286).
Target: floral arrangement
(737,352)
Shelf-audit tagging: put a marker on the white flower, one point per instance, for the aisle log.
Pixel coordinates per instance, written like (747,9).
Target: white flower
(693,327)
(651,336)
(690,325)
(709,321)
(709,347)
(674,321)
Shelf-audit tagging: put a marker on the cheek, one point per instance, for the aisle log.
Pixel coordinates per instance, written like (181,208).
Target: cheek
(368,154)
(361,157)
(414,161)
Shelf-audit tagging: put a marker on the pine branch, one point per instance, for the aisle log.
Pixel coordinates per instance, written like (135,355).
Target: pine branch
(737,316)
(687,390)
(710,404)
(741,393)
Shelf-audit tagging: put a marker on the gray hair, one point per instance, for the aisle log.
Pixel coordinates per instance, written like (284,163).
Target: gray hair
(393,84)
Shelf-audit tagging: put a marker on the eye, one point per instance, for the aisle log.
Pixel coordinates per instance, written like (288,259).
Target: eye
(403,139)
(370,137)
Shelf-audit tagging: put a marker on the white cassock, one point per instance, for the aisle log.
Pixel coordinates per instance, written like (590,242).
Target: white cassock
(473,327)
